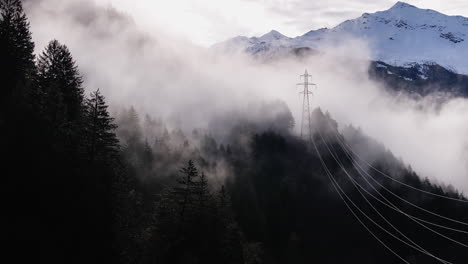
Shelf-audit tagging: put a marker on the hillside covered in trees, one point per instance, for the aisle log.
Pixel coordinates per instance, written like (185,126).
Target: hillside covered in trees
(83,186)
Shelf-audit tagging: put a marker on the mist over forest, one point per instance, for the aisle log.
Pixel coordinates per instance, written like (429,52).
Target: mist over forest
(127,146)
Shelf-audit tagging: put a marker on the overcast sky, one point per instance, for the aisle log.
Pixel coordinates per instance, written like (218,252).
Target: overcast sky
(206,22)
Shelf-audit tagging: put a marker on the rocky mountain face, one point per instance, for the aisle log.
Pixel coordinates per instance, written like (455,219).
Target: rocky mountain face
(412,49)
(420,79)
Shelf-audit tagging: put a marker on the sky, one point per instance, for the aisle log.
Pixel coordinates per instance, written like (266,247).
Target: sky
(207,22)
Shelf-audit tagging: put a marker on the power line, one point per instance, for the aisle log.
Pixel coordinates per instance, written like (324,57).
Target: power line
(416,206)
(306,124)
(394,207)
(338,188)
(400,182)
(418,248)
(358,168)
(306,133)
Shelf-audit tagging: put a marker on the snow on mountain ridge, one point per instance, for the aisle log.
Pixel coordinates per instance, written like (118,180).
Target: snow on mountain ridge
(399,5)
(401,35)
(272,35)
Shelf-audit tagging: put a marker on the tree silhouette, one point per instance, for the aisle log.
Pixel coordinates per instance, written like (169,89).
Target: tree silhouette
(203,192)
(101,141)
(16,52)
(227,230)
(187,188)
(59,79)
(60,97)
(147,157)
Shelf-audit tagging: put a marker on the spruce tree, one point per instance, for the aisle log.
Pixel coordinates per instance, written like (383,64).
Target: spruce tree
(16,52)
(187,188)
(60,84)
(60,98)
(130,131)
(224,202)
(228,231)
(101,141)
(147,156)
(202,192)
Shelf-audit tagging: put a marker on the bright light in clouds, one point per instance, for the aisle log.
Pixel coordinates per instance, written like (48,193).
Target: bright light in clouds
(202,22)
(209,21)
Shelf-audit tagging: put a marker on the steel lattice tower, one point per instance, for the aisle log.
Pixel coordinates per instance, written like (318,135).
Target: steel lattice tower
(306,127)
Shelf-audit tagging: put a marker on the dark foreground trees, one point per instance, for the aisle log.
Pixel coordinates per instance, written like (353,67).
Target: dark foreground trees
(192,225)
(74,194)
(61,204)
(16,53)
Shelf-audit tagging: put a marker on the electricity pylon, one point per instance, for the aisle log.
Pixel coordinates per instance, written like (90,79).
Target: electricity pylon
(306,127)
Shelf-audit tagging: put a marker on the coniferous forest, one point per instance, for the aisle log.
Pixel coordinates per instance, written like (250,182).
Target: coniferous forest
(83,184)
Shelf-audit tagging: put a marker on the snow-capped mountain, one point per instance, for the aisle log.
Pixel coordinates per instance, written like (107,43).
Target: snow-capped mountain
(400,36)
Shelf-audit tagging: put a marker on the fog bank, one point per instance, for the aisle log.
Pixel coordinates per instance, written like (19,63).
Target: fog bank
(189,86)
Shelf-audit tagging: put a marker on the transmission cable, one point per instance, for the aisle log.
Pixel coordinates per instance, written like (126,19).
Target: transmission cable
(400,182)
(418,248)
(410,216)
(408,202)
(330,176)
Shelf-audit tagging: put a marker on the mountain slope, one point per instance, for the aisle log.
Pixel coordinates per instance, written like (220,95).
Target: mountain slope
(400,35)
(420,79)
(426,49)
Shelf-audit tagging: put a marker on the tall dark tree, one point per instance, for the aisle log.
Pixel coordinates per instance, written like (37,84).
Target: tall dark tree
(147,156)
(17,148)
(202,192)
(187,188)
(175,217)
(101,141)
(60,83)
(228,230)
(192,225)
(60,97)
(16,52)
(224,202)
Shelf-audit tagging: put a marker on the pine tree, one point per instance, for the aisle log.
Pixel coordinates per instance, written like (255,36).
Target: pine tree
(187,188)
(163,143)
(175,217)
(228,230)
(16,52)
(223,199)
(130,129)
(60,98)
(147,158)
(101,141)
(202,192)
(135,124)
(60,83)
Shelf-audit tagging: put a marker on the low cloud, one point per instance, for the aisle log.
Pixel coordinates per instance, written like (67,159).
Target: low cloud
(189,86)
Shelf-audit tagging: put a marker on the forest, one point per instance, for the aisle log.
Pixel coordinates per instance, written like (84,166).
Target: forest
(85,184)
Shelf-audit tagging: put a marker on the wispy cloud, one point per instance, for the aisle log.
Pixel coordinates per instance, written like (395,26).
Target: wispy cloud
(169,77)
(210,21)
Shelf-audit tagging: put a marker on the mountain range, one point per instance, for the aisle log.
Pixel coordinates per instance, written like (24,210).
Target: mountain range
(410,48)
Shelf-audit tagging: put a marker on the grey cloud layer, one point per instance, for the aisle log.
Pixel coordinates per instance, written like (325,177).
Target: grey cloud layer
(189,85)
